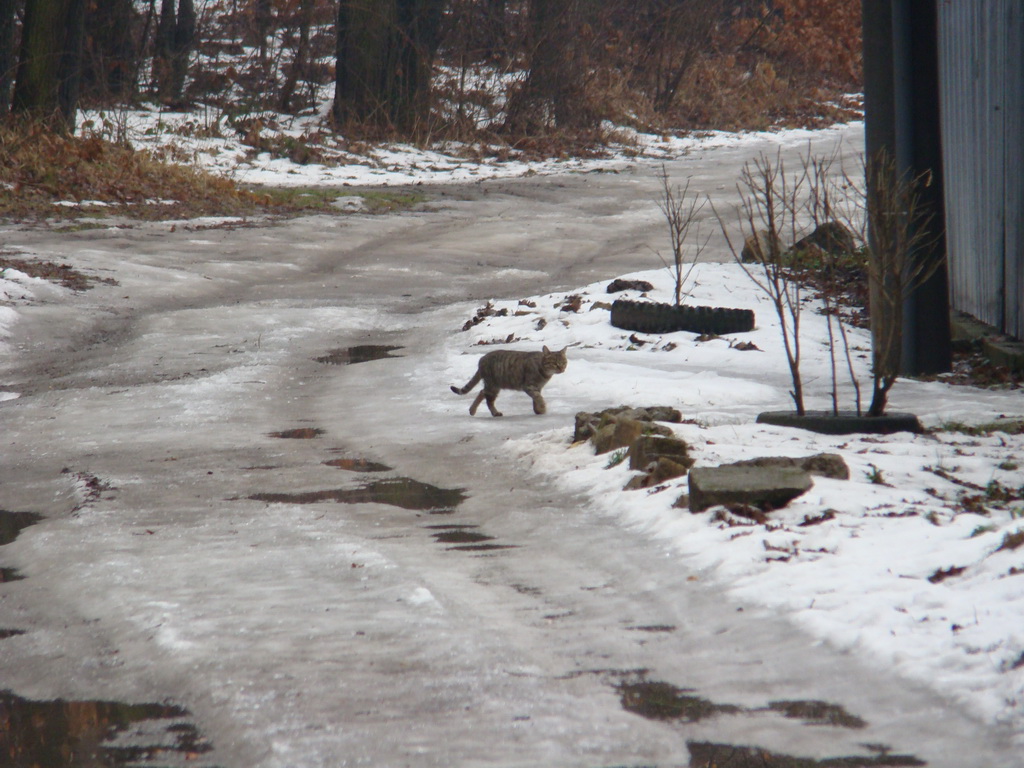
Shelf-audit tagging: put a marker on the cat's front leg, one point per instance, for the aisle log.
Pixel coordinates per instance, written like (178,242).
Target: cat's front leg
(539,406)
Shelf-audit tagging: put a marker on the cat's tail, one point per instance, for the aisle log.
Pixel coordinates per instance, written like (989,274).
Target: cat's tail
(472,383)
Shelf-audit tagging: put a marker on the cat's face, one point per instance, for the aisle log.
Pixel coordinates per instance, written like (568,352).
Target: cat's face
(555,362)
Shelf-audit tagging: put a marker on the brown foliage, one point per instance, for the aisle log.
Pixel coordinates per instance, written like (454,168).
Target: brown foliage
(39,168)
(816,38)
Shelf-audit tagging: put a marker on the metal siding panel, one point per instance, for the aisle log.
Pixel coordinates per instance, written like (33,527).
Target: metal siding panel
(957,75)
(993,42)
(989,265)
(982,69)
(1013,112)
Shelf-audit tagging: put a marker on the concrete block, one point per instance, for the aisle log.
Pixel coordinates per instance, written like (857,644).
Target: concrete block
(762,487)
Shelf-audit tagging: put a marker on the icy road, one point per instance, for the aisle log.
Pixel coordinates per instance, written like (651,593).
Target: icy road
(247,510)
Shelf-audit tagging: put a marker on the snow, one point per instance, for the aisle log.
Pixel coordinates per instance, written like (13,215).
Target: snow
(205,138)
(860,580)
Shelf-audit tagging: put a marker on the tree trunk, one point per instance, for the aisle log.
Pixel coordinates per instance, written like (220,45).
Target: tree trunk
(385,55)
(263,13)
(7,58)
(49,66)
(175,37)
(554,91)
(300,62)
(110,64)
(495,33)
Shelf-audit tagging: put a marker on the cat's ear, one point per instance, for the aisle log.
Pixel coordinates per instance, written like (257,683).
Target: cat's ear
(546,350)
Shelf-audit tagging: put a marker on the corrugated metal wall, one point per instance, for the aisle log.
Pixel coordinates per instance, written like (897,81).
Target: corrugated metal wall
(981,63)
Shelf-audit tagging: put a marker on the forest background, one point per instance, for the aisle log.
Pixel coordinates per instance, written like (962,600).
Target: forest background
(533,78)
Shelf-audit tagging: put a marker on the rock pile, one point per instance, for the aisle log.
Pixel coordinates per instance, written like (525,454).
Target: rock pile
(759,485)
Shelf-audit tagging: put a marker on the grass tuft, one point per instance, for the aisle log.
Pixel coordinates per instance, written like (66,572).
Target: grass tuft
(49,175)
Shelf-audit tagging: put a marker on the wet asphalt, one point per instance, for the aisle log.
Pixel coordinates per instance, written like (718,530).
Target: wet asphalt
(232,487)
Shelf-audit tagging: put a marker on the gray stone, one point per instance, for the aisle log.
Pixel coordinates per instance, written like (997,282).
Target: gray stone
(661,471)
(666,469)
(759,248)
(831,237)
(620,433)
(587,424)
(829,465)
(621,284)
(1005,352)
(762,487)
(658,413)
(649,448)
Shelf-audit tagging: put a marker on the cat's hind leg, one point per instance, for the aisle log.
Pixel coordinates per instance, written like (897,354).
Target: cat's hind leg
(491,397)
(476,403)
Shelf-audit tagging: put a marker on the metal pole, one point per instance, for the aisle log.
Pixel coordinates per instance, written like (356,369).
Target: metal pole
(901,92)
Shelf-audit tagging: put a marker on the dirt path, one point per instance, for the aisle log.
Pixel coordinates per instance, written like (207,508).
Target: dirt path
(248,514)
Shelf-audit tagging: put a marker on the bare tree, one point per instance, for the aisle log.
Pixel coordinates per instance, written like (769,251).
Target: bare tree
(553,93)
(8,9)
(828,207)
(681,209)
(300,62)
(49,67)
(670,41)
(263,19)
(110,65)
(770,208)
(385,56)
(175,40)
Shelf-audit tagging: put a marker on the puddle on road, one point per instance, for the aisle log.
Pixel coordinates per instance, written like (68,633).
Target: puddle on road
(523,589)
(10,574)
(652,628)
(301,433)
(12,523)
(358,465)
(817,713)
(401,492)
(363,353)
(97,734)
(709,755)
(664,701)
(6,633)
(459,534)
(657,700)
(465,538)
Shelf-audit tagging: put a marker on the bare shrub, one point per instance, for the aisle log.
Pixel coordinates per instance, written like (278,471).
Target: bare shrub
(776,207)
(899,228)
(680,209)
(829,204)
(770,207)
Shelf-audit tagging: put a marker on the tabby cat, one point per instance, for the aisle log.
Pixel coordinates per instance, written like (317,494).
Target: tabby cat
(506,369)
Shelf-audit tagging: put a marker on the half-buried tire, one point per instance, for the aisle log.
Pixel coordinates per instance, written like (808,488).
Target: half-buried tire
(652,317)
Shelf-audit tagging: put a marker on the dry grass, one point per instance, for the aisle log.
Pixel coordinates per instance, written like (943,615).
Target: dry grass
(724,93)
(64,274)
(39,169)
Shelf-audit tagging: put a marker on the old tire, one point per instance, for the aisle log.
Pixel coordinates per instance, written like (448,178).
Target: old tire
(843,423)
(652,317)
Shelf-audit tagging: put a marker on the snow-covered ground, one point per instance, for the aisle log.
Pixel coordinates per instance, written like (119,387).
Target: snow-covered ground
(914,507)
(870,579)
(207,139)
